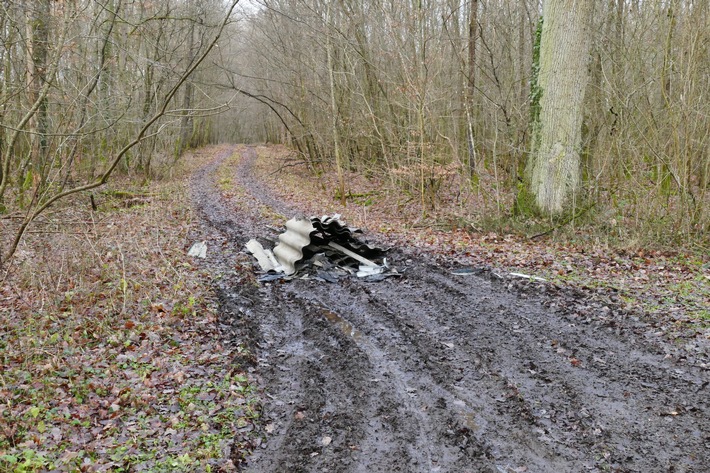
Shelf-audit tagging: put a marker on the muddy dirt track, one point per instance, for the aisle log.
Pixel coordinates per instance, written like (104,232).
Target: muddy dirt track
(439,372)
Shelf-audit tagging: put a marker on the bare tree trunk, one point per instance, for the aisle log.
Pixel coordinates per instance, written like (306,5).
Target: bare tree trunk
(152,54)
(524,50)
(471,85)
(563,79)
(90,88)
(334,111)
(5,91)
(668,55)
(186,120)
(38,31)
(25,119)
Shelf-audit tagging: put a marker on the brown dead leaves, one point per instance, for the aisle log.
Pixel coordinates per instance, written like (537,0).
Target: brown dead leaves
(110,359)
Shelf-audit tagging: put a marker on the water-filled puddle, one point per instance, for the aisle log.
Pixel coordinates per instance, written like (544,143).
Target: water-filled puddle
(345,326)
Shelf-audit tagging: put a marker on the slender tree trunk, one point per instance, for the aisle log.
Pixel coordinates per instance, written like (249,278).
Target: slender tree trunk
(29,114)
(471,85)
(523,45)
(334,111)
(421,99)
(5,24)
(668,55)
(145,148)
(564,51)
(90,88)
(186,120)
(38,29)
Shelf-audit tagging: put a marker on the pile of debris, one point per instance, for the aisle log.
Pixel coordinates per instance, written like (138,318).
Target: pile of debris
(320,248)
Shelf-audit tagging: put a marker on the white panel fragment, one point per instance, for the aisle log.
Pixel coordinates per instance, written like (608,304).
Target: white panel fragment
(265,258)
(198,250)
(364,271)
(534,278)
(291,243)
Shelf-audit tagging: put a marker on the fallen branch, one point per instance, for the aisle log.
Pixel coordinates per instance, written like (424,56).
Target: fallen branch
(293,163)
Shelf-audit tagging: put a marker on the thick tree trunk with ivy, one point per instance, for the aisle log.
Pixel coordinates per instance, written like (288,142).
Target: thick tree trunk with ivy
(564,49)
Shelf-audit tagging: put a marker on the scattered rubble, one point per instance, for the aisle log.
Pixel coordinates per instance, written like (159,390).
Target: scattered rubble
(323,249)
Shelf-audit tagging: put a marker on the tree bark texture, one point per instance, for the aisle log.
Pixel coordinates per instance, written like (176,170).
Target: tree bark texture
(186,120)
(564,52)
(38,30)
(334,114)
(471,86)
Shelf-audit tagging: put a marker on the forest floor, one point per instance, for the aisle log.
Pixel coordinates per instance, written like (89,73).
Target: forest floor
(111,355)
(118,352)
(437,371)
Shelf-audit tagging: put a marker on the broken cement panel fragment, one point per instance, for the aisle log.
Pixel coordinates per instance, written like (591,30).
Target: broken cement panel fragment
(332,226)
(381,276)
(291,243)
(366,270)
(323,247)
(353,255)
(327,276)
(526,276)
(331,229)
(272,276)
(198,250)
(265,258)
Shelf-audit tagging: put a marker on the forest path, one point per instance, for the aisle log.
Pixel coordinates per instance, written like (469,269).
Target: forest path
(436,371)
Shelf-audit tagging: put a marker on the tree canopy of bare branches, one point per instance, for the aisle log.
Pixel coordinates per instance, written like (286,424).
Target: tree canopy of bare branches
(411,90)
(91,86)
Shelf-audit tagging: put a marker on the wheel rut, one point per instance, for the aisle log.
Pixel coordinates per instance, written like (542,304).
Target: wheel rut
(437,372)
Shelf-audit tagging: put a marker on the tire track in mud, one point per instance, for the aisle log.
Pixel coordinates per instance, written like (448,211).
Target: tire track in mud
(440,372)
(604,407)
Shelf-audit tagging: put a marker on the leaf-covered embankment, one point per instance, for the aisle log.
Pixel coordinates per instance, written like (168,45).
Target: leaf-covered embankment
(111,357)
